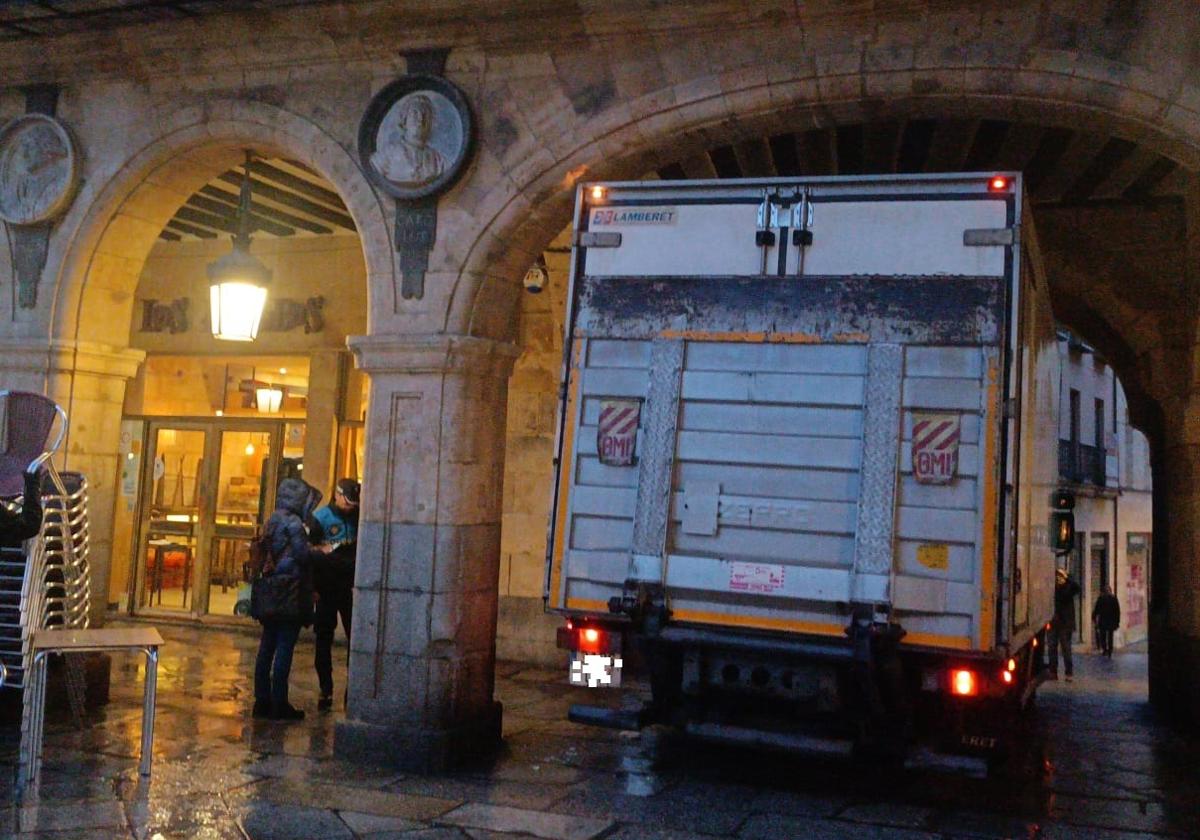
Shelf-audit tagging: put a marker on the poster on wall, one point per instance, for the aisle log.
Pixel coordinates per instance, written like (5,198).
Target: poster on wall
(1137,548)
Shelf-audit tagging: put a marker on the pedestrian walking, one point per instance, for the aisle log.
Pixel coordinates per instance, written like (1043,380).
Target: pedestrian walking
(1062,625)
(282,601)
(336,526)
(1106,615)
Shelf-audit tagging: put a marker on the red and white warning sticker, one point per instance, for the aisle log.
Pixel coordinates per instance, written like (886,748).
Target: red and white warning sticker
(616,435)
(763,578)
(935,440)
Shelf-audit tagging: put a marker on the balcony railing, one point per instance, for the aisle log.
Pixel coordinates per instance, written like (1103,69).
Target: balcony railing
(1081,464)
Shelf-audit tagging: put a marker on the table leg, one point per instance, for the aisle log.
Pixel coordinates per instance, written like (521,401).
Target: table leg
(149,695)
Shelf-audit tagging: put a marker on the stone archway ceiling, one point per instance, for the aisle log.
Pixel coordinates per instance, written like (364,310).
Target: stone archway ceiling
(35,18)
(288,199)
(1061,166)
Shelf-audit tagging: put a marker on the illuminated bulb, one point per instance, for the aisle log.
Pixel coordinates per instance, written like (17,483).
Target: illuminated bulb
(283,371)
(591,635)
(220,413)
(1012,664)
(249,448)
(962,682)
(1007,676)
(598,193)
(998,184)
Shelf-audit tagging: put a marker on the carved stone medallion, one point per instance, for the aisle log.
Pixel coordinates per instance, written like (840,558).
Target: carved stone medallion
(416,136)
(38,169)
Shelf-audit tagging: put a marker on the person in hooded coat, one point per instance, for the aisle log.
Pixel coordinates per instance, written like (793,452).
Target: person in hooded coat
(17,527)
(1062,625)
(289,548)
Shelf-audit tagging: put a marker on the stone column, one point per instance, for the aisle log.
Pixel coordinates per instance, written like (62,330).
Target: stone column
(422,655)
(325,383)
(1175,583)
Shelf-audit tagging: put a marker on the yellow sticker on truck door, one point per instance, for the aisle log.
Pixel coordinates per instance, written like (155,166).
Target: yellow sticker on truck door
(934,555)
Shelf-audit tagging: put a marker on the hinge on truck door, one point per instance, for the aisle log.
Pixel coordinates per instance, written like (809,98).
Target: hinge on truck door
(982,237)
(598,239)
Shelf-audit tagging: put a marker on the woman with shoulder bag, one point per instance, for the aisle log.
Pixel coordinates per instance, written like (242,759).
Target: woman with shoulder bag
(281,598)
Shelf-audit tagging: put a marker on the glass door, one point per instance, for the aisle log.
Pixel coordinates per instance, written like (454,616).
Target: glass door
(175,511)
(207,487)
(247,464)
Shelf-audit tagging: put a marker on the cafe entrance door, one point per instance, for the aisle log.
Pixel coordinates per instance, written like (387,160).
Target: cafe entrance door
(207,486)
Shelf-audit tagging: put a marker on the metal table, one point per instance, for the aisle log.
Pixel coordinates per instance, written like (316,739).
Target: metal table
(105,640)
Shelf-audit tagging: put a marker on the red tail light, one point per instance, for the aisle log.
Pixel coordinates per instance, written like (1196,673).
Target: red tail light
(998,184)
(586,639)
(1007,677)
(963,683)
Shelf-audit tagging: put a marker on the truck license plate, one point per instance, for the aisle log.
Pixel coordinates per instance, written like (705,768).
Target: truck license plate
(594,670)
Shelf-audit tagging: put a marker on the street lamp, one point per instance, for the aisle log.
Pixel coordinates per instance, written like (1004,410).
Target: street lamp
(237,282)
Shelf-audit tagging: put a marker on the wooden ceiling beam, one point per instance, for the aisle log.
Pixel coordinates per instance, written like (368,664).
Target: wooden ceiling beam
(191,230)
(698,167)
(293,182)
(265,210)
(754,158)
(229,214)
(950,145)
(818,151)
(1020,144)
(292,200)
(1152,179)
(881,146)
(1075,160)
(784,154)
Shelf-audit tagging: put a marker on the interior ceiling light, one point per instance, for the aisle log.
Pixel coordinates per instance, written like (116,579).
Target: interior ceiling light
(238,281)
(268,398)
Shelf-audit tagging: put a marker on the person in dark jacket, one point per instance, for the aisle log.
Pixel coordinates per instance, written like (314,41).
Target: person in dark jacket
(335,525)
(1062,626)
(292,554)
(1106,615)
(16,527)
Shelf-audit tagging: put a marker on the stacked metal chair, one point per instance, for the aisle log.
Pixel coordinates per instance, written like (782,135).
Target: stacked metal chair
(47,581)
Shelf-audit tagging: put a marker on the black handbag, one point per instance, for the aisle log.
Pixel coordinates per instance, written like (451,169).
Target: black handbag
(275,597)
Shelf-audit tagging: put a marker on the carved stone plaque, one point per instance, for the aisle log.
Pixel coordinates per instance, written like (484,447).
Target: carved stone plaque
(415,136)
(38,169)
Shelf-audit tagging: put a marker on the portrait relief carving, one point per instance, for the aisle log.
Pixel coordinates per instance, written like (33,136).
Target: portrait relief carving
(420,133)
(38,169)
(415,136)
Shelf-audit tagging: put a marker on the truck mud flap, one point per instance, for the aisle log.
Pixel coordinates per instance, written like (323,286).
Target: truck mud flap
(632,720)
(771,740)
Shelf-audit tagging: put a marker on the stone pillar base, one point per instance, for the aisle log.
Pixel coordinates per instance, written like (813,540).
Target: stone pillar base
(1174,685)
(418,749)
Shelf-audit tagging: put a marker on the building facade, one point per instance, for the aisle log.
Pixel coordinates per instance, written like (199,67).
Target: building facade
(1105,462)
(424,291)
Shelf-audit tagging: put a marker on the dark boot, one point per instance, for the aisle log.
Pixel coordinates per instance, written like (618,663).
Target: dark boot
(262,709)
(287,712)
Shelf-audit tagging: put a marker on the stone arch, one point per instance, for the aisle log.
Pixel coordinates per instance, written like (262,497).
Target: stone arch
(519,214)
(122,214)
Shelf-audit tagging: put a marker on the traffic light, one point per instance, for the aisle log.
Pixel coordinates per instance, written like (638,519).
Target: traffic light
(1062,521)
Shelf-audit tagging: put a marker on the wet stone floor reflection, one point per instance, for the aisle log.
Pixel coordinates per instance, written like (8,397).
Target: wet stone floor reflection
(1099,768)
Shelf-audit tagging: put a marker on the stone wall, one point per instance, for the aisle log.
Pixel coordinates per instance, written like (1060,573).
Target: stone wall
(524,630)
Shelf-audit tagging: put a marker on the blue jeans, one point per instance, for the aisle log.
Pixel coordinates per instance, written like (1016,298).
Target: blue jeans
(274,662)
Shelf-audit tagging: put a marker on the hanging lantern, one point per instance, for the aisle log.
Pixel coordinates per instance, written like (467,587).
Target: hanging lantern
(268,398)
(237,282)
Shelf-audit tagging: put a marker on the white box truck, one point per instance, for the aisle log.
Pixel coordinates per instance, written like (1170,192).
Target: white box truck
(807,458)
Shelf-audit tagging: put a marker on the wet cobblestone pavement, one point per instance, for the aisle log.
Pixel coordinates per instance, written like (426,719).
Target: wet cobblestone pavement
(1099,768)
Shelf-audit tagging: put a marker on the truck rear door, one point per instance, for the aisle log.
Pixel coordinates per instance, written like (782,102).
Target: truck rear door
(773,426)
